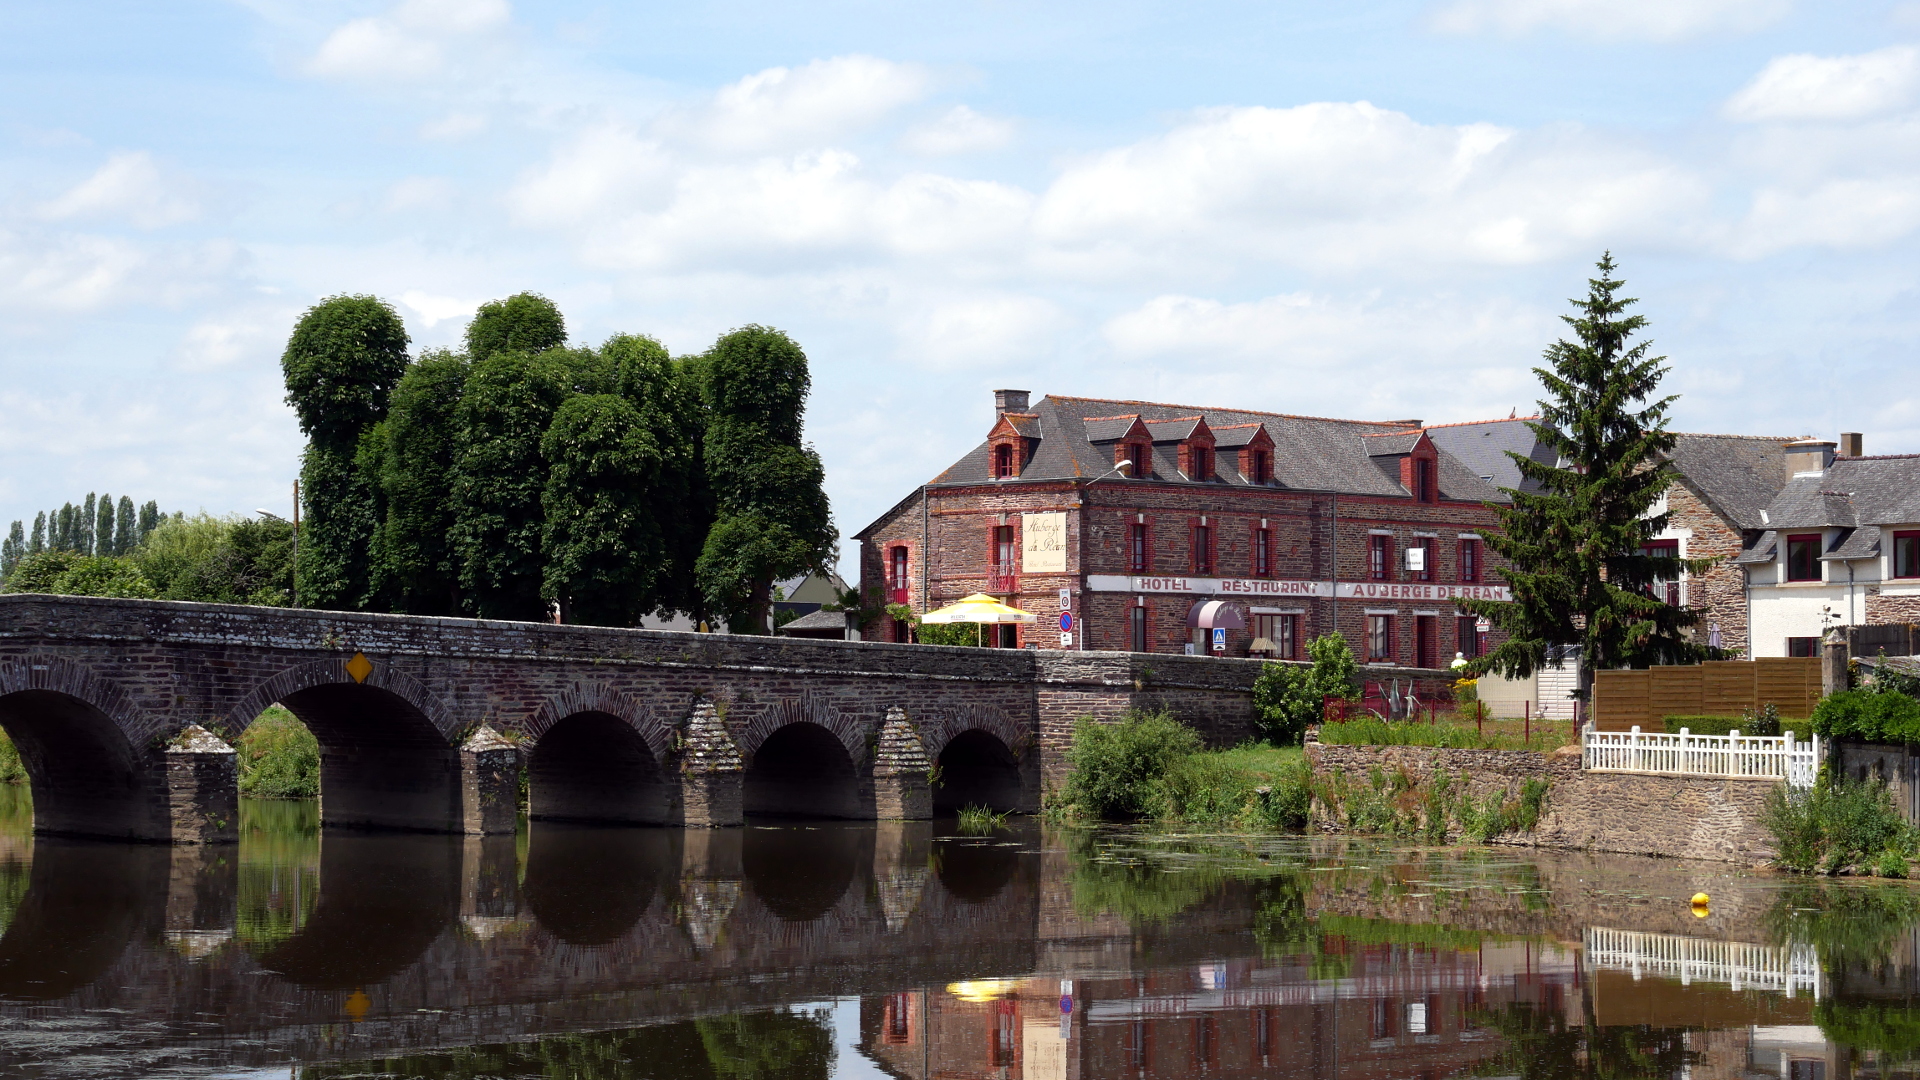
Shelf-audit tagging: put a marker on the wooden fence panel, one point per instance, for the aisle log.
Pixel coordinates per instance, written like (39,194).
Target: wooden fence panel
(1727,687)
(1620,699)
(1792,683)
(1674,691)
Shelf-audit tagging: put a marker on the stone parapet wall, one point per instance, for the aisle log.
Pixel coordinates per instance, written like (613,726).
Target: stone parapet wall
(1634,814)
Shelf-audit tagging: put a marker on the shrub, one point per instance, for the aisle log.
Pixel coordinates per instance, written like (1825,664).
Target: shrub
(279,758)
(1765,722)
(1287,698)
(1836,825)
(1877,716)
(12,770)
(67,573)
(1118,767)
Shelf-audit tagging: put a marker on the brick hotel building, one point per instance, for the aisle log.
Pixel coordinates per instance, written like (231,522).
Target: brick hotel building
(1153,524)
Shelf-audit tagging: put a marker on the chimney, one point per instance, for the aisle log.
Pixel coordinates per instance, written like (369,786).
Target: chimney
(1806,456)
(1850,444)
(1006,401)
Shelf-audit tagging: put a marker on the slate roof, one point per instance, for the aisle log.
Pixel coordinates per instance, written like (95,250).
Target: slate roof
(1762,551)
(1738,474)
(1109,429)
(1236,435)
(1853,492)
(1310,453)
(1399,442)
(1860,543)
(817,620)
(1482,446)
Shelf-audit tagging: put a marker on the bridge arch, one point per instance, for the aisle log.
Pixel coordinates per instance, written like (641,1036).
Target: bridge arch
(981,756)
(598,757)
(387,755)
(89,751)
(805,758)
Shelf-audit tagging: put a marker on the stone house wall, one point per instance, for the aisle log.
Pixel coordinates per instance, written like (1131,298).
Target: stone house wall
(1720,594)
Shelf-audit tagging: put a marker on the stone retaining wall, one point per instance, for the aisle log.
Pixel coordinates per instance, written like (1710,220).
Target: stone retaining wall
(1673,816)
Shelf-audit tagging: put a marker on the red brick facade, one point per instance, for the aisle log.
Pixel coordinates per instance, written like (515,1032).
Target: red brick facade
(1313,537)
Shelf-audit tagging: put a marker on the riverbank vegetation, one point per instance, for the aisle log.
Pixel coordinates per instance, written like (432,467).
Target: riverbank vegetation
(1147,766)
(279,757)
(1449,732)
(229,560)
(1439,809)
(1840,826)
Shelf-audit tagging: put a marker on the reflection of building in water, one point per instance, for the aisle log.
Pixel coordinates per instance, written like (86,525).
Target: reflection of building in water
(1356,1012)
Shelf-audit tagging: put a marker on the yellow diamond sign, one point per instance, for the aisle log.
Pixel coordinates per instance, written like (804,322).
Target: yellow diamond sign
(359,667)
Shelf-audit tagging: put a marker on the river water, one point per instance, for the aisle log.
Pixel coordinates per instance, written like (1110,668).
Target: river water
(816,950)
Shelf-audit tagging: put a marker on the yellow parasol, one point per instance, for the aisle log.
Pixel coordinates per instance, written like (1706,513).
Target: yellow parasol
(978,608)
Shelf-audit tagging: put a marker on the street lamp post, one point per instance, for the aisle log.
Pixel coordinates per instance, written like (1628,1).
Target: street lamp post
(296,537)
(1083,545)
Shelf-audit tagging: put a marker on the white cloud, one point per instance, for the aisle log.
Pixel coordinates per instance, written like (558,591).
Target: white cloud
(1806,87)
(1655,20)
(417,193)
(808,105)
(434,310)
(130,187)
(981,331)
(959,130)
(1336,185)
(1305,347)
(1846,213)
(454,126)
(408,42)
(230,338)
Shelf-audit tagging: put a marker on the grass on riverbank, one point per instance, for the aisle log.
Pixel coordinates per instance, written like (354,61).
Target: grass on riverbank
(12,771)
(1449,732)
(1840,826)
(279,757)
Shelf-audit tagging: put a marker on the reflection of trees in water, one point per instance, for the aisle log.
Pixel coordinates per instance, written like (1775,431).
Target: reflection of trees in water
(279,871)
(1848,924)
(751,1046)
(1542,1045)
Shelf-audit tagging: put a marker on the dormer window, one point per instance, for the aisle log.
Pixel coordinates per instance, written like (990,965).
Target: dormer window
(1139,459)
(1424,488)
(1200,462)
(1259,468)
(1004,462)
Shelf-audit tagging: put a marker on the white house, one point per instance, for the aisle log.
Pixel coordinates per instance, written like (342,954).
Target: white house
(1841,547)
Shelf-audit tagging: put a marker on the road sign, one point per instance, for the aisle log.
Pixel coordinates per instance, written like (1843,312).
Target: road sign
(1066,620)
(1483,626)
(1066,599)
(1066,640)
(1219,639)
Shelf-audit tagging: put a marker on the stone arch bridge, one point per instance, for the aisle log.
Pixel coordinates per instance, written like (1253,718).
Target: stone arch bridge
(124,711)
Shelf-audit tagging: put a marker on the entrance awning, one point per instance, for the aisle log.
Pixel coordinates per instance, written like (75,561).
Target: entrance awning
(1209,614)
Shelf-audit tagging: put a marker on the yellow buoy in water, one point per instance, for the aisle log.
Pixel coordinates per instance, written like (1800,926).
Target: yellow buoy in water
(1700,899)
(1699,905)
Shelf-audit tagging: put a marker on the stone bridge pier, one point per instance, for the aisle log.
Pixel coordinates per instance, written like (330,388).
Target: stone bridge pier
(125,712)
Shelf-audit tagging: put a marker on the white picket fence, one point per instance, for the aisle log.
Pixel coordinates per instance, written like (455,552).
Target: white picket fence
(1789,970)
(1783,756)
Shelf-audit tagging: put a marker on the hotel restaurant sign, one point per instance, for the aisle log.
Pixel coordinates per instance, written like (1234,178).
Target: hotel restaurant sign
(1272,589)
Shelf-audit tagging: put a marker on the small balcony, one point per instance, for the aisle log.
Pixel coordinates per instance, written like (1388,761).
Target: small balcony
(1001,580)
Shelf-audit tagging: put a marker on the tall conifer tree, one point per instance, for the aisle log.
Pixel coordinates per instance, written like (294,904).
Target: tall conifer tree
(104,542)
(83,540)
(38,543)
(149,519)
(13,549)
(1576,550)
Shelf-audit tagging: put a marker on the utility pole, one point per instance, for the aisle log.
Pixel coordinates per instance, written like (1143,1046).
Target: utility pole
(296,543)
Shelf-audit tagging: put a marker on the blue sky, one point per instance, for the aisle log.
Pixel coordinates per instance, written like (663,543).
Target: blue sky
(1364,210)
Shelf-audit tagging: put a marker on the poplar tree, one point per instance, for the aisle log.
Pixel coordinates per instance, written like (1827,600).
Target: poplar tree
(13,549)
(341,364)
(124,540)
(68,537)
(414,564)
(771,516)
(104,541)
(149,519)
(83,540)
(1574,549)
(38,543)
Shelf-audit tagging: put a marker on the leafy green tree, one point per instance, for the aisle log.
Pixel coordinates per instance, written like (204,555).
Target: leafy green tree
(125,534)
(605,550)
(149,519)
(414,564)
(524,322)
(772,520)
(72,573)
(341,364)
(1288,698)
(1574,549)
(500,474)
(213,560)
(83,539)
(39,542)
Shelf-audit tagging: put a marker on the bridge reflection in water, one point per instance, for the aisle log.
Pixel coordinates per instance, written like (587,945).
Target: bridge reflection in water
(792,950)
